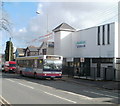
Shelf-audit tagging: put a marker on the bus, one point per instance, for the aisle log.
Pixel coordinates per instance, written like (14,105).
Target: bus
(10,66)
(42,66)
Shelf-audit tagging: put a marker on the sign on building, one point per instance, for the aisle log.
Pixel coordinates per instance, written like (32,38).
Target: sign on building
(82,59)
(69,59)
(80,44)
(117,61)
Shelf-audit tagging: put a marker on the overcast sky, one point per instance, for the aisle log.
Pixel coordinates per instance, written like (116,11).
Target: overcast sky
(27,25)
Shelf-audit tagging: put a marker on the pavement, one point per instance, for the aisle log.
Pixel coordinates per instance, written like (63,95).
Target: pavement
(110,85)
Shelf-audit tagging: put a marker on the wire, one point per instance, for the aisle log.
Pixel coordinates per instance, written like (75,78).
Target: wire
(47,35)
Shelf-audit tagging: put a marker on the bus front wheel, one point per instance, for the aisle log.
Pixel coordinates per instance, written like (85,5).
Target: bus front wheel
(52,78)
(35,75)
(21,73)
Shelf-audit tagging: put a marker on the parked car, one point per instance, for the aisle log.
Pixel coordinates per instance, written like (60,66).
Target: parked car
(10,66)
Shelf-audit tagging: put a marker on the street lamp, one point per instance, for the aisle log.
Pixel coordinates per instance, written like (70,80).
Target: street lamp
(38,12)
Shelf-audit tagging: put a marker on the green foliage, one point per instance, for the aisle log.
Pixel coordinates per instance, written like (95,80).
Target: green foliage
(9,50)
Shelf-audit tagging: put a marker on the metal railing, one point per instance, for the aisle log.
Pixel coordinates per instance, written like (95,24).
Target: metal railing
(92,73)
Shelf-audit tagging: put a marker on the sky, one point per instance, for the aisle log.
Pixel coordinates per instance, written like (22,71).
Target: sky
(26,26)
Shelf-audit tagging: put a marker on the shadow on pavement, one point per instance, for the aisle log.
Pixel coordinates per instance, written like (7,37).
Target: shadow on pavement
(59,84)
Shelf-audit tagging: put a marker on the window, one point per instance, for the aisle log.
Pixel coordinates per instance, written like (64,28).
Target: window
(103,35)
(44,51)
(30,63)
(40,63)
(108,34)
(98,35)
(21,63)
(35,64)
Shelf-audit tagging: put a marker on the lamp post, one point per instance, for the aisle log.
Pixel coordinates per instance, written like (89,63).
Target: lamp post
(37,12)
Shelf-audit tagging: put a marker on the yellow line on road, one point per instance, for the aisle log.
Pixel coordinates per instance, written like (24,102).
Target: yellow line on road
(4,101)
(1,101)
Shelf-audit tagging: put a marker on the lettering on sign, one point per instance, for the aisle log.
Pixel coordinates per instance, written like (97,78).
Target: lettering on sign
(80,44)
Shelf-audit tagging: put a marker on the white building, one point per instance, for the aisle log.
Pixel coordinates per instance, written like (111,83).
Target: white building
(93,47)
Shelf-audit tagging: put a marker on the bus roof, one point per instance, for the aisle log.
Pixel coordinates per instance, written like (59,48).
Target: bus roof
(10,62)
(36,57)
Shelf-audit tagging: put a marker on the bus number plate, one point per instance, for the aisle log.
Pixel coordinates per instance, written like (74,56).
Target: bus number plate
(52,76)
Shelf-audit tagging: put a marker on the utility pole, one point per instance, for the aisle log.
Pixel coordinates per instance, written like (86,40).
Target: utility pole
(47,23)
(46,18)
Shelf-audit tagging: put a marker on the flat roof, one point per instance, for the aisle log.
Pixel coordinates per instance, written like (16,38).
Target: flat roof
(95,26)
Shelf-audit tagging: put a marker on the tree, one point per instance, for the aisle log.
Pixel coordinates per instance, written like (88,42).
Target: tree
(4,19)
(9,51)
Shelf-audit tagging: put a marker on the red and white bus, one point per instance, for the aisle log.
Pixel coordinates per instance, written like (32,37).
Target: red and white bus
(42,66)
(10,66)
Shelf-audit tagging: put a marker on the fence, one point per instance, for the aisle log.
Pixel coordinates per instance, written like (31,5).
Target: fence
(92,73)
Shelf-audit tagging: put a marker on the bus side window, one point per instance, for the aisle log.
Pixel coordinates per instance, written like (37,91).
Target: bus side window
(17,62)
(40,63)
(20,63)
(35,63)
(30,63)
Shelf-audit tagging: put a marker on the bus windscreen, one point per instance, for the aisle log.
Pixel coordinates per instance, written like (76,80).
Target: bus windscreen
(53,65)
(12,65)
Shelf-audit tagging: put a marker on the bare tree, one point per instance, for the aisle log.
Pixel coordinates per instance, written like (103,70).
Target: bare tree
(4,19)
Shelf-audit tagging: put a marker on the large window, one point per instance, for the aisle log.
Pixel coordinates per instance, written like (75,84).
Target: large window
(108,34)
(12,65)
(22,63)
(103,38)
(98,35)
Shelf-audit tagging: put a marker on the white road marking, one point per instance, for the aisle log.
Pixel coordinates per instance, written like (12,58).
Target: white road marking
(31,83)
(4,100)
(47,86)
(10,80)
(40,85)
(84,97)
(101,94)
(60,97)
(1,101)
(26,85)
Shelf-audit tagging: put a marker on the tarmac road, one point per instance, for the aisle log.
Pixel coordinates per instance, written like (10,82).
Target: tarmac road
(24,90)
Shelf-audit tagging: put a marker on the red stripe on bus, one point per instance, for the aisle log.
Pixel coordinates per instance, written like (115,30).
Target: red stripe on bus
(30,73)
(41,74)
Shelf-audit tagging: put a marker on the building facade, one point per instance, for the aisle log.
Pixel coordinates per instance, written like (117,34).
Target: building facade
(95,48)
(46,48)
(20,52)
(31,51)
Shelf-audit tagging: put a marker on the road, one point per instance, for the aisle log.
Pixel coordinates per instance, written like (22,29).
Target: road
(24,90)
